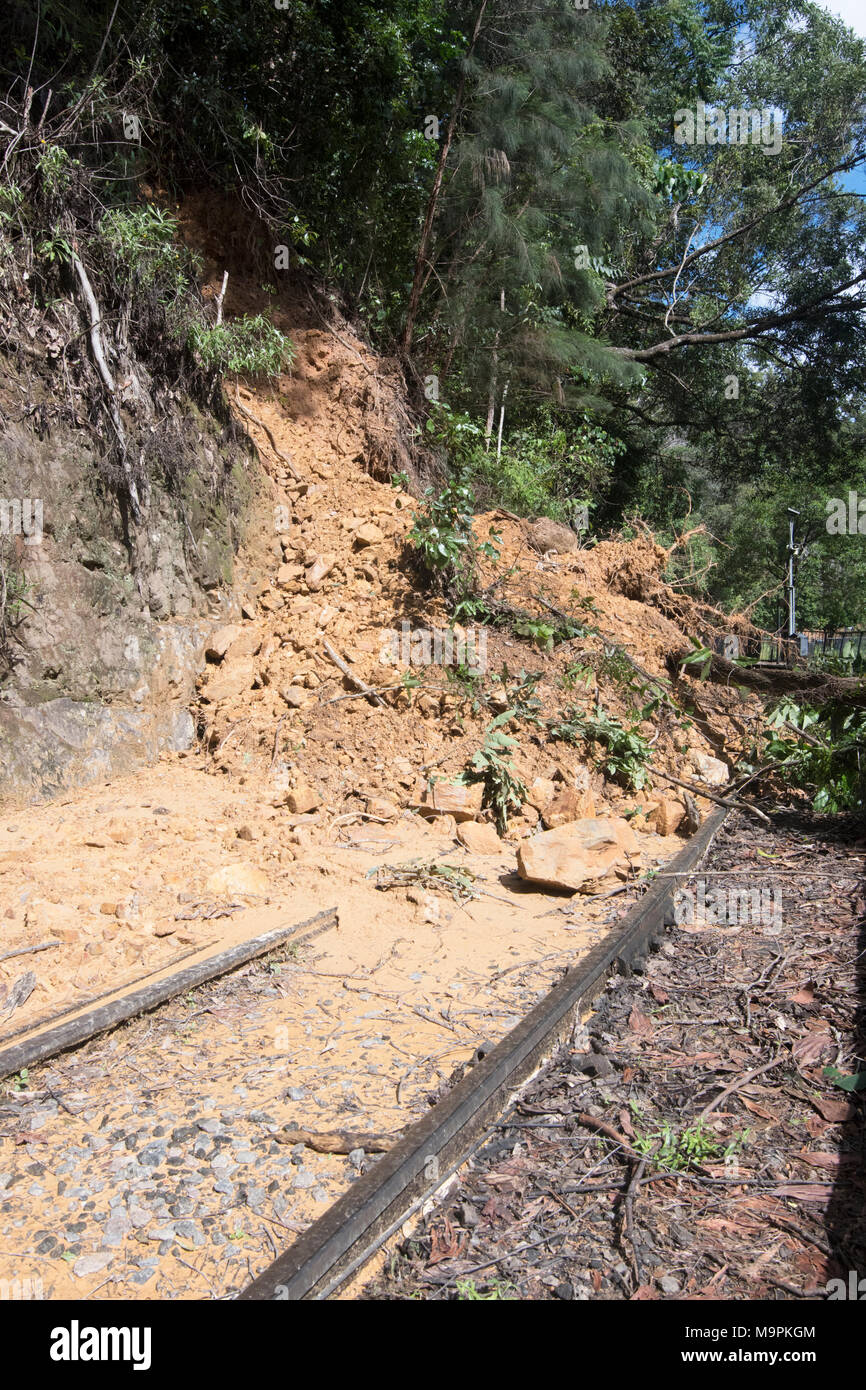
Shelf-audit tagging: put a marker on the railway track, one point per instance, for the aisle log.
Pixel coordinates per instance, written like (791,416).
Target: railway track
(341,1242)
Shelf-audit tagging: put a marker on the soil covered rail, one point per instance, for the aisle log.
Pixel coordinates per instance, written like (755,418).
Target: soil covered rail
(704,1137)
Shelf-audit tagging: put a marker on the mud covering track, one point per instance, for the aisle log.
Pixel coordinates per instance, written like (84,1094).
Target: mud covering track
(341,1241)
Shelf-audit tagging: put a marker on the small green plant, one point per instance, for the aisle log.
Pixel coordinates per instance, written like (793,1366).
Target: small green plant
(55,249)
(679,1150)
(491,764)
(855,1082)
(587,602)
(11,199)
(521,697)
(21,1081)
(56,168)
(443,539)
(701,656)
(497,1290)
(469,683)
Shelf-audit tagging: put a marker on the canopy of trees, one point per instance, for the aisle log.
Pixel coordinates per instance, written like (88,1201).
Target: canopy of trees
(629,236)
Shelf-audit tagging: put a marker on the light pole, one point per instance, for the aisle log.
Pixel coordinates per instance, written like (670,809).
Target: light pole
(792,612)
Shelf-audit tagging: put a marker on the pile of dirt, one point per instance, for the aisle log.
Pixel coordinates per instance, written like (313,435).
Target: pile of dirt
(293,759)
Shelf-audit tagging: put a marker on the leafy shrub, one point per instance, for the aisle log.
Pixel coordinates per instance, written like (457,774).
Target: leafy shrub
(250,345)
(491,764)
(820,752)
(626,754)
(443,541)
(144,248)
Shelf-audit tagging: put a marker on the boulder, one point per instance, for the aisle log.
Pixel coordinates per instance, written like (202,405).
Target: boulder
(577,853)
(448,799)
(302,800)
(219,642)
(369,534)
(569,804)
(288,574)
(666,816)
(546,534)
(480,837)
(238,880)
(230,682)
(246,644)
(541,792)
(709,770)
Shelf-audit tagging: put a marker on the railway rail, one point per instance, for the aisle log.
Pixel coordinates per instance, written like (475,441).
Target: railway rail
(342,1241)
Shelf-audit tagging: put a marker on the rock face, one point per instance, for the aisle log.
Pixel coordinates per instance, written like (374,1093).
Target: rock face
(45,749)
(448,799)
(577,853)
(104,662)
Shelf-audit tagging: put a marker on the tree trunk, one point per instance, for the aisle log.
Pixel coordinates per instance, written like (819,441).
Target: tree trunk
(419,278)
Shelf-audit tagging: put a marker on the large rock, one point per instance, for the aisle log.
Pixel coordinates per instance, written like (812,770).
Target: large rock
(666,816)
(569,804)
(541,792)
(368,534)
(219,641)
(229,682)
(448,799)
(238,880)
(709,770)
(546,534)
(577,853)
(246,644)
(480,837)
(302,800)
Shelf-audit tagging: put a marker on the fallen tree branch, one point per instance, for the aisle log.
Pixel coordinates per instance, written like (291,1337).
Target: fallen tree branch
(711,796)
(269,432)
(28,950)
(354,680)
(341,1142)
(736,1086)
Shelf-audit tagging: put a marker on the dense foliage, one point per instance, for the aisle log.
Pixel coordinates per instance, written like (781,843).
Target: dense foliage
(607,318)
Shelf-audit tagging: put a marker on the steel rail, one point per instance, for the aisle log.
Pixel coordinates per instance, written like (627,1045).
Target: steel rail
(47,1042)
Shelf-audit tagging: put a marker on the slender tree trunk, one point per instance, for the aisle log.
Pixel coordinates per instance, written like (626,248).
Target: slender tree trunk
(491,399)
(501,422)
(418,278)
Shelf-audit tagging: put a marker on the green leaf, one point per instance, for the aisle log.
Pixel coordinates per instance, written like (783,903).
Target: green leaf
(856,1082)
